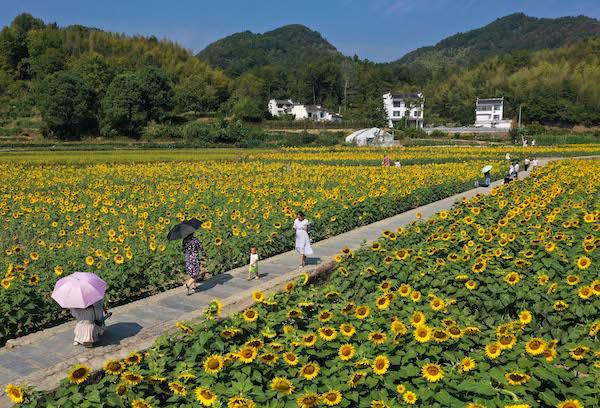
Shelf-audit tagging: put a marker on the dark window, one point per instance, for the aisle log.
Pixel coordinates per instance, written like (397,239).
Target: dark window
(396,113)
(397,104)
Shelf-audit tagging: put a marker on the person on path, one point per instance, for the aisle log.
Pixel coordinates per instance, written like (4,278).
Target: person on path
(534,164)
(525,143)
(488,179)
(90,323)
(532,142)
(386,161)
(192,248)
(301,225)
(526,163)
(516,167)
(507,157)
(253,265)
(397,163)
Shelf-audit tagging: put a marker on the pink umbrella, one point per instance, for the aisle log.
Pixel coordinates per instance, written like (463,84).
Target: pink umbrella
(79,290)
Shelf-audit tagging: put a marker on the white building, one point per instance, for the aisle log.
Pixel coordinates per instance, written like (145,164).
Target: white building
(489,113)
(278,107)
(404,109)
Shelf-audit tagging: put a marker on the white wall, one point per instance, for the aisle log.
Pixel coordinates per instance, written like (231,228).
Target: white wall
(397,113)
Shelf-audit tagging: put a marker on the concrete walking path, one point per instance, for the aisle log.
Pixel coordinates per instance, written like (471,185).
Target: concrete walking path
(42,358)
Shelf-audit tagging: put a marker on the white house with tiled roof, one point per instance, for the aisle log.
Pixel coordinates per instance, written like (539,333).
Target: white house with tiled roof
(404,109)
(279,107)
(489,113)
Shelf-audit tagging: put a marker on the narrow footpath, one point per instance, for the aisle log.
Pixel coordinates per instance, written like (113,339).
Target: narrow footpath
(42,359)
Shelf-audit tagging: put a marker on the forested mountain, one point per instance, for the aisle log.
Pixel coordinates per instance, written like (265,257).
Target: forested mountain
(515,32)
(85,81)
(284,46)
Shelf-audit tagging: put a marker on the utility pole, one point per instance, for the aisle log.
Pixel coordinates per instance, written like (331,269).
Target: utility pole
(520,107)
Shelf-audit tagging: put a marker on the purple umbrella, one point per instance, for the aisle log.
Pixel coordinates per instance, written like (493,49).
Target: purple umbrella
(79,290)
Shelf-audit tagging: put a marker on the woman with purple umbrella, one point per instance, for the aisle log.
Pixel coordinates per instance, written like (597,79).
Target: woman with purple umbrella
(83,294)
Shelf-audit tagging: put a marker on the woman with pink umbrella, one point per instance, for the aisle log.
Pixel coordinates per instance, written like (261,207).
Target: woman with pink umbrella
(83,294)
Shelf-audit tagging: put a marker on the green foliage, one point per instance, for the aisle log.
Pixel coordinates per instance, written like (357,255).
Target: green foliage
(122,109)
(67,104)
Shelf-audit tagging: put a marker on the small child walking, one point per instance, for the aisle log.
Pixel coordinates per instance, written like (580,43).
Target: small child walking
(253,266)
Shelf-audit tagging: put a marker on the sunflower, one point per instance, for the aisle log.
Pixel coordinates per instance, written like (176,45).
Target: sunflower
(250,315)
(255,342)
(258,296)
(177,388)
(584,262)
(579,352)
(492,350)
(310,370)
(404,290)
(455,332)
(512,278)
(380,365)
(516,378)
(14,393)
(132,378)
(121,389)
(525,317)
(506,342)
(570,404)
(327,333)
(585,292)
(440,336)
(205,396)
(432,372)
(247,354)
(282,385)
(479,265)
(325,316)
(268,358)
(437,304)
(34,280)
(379,404)
(467,364)
(309,340)
(79,374)
(417,319)
(355,378)
(398,327)
(140,403)
(240,402)
(560,305)
(409,397)
(383,302)
(331,398)
(422,334)
(362,312)
(471,284)
(89,260)
(308,400)
(346,352)
(133,358)
(347,329)
(295,313)
(415,295)
(573,280)
(290,358)
(112,367)
(119,259)
(213,364)
(401,254)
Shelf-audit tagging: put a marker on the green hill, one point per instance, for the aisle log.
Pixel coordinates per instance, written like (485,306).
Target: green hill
(285,46)
(515,32)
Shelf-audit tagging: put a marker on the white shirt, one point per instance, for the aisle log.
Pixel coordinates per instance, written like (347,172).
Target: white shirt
(516,167)
(301,225)
(535,163)
(253,259)
(511,170)
(526,162)
(507,156)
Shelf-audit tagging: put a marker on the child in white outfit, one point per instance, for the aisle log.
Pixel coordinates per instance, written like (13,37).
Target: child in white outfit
(253,266)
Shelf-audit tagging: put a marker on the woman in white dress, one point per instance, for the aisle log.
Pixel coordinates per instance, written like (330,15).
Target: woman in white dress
(90,324)
(303,247)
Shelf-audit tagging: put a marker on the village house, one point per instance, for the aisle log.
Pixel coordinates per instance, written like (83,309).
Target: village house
(489,113)
(279,107)
(404,109)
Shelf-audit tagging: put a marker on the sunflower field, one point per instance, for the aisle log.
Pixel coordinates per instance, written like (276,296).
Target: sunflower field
(494,303)
(112,216)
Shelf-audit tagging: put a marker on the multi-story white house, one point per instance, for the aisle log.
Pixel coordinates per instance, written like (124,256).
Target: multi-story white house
(404,109)
(300,111)
(489,113)
(278,107)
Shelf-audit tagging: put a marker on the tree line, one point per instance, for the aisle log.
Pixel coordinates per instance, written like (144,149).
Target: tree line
(85,81)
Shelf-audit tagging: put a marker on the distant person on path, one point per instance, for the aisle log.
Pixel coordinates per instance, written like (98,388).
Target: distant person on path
(397,163)
(301,225)
(192,248)
(90,324)
(386,161)
(526,163)
(534,164)
(253,265)
(516,166)
(532,142)
(507,157)
(525,143)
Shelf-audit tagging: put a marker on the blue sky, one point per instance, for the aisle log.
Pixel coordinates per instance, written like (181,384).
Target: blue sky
(380,30)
